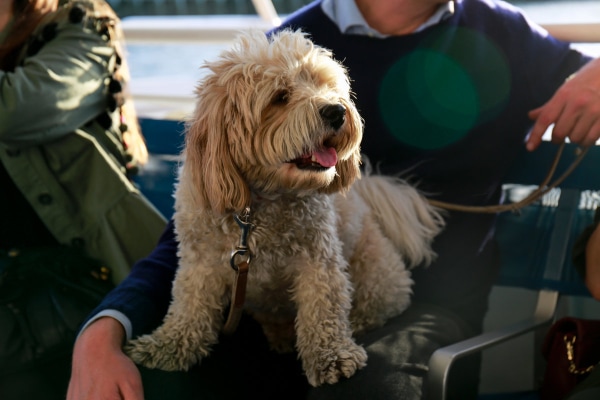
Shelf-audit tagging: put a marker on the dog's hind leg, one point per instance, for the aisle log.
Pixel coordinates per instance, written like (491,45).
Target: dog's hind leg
(190,327)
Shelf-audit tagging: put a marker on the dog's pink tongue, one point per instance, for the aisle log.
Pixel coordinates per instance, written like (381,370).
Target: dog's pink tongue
(327,157)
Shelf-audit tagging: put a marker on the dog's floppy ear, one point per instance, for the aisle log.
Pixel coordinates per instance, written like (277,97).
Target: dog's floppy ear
(216,181)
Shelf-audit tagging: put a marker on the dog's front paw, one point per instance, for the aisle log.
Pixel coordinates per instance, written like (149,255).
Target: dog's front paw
(166,353)
(330,366)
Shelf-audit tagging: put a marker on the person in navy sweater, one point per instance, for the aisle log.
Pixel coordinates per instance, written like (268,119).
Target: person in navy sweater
(450,92)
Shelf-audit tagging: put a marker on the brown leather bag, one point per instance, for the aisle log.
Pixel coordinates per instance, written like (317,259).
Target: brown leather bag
(572,350)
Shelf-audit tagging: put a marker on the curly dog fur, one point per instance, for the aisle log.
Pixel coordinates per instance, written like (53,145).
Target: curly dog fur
(275,129)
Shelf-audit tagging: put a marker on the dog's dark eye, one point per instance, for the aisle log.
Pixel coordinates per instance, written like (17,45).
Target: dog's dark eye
(281,97)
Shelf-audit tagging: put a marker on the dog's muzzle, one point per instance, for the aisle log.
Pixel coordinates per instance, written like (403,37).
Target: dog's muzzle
(333,115)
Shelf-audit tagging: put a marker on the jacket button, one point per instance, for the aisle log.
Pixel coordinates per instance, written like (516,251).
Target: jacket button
(45,198)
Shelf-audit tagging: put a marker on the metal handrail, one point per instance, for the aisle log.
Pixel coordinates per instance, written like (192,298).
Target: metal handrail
(575,33)
(189,29)
(218,29)
(266,10)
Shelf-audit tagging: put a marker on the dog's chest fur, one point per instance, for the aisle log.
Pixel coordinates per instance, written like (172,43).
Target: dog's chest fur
(283,245)
(289,234)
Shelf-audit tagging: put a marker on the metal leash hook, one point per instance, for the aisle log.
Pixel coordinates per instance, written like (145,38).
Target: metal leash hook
(238,295)
(242,249)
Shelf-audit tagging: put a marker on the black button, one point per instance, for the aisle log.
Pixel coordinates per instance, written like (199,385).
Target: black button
(45,198)
(13,153)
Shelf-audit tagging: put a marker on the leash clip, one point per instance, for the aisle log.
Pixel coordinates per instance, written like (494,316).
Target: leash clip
(242,248)
(238,295)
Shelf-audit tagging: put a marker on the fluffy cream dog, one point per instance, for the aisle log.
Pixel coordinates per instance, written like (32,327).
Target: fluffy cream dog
(275,130)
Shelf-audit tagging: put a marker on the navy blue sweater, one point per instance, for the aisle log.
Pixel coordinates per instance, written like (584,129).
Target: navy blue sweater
(446,108)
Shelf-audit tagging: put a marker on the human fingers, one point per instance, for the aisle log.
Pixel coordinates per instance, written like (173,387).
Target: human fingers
(544,117)
(87,384)
(130,385)
(593,135)
(91,389)
(581,114)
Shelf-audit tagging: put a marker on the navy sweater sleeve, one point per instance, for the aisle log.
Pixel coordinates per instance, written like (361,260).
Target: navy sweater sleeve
(145,294)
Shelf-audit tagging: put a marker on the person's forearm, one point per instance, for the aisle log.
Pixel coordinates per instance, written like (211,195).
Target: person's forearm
(592,264)
(103,334)
(117,315)
(145,294)
(143,297)
(100,368)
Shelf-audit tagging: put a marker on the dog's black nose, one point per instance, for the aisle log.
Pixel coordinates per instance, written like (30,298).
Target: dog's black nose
(334,115)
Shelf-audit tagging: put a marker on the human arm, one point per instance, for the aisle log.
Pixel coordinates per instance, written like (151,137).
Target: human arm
(592,263)
(586,256)
(57,90)
(101,370)
(574,110)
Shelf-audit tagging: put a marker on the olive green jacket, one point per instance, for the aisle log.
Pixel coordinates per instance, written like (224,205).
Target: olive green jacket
(68,164)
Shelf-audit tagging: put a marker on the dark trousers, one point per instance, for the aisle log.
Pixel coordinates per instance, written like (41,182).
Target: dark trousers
(241,365)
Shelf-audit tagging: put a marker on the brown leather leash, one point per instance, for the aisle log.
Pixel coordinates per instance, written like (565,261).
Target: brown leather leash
(238,295)
(544,187)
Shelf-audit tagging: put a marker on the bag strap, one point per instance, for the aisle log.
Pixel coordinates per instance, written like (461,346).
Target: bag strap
(570,347)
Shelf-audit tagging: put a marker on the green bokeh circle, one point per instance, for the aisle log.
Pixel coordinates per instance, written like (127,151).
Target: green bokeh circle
(430,98)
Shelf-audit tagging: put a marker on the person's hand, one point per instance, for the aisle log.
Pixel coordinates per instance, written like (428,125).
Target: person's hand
(574,110)
(100,368)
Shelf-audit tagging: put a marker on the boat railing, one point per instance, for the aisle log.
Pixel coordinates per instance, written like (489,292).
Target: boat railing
(170,97)
(219,29)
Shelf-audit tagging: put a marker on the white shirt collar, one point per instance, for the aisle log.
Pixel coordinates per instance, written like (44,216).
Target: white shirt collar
(345,14)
